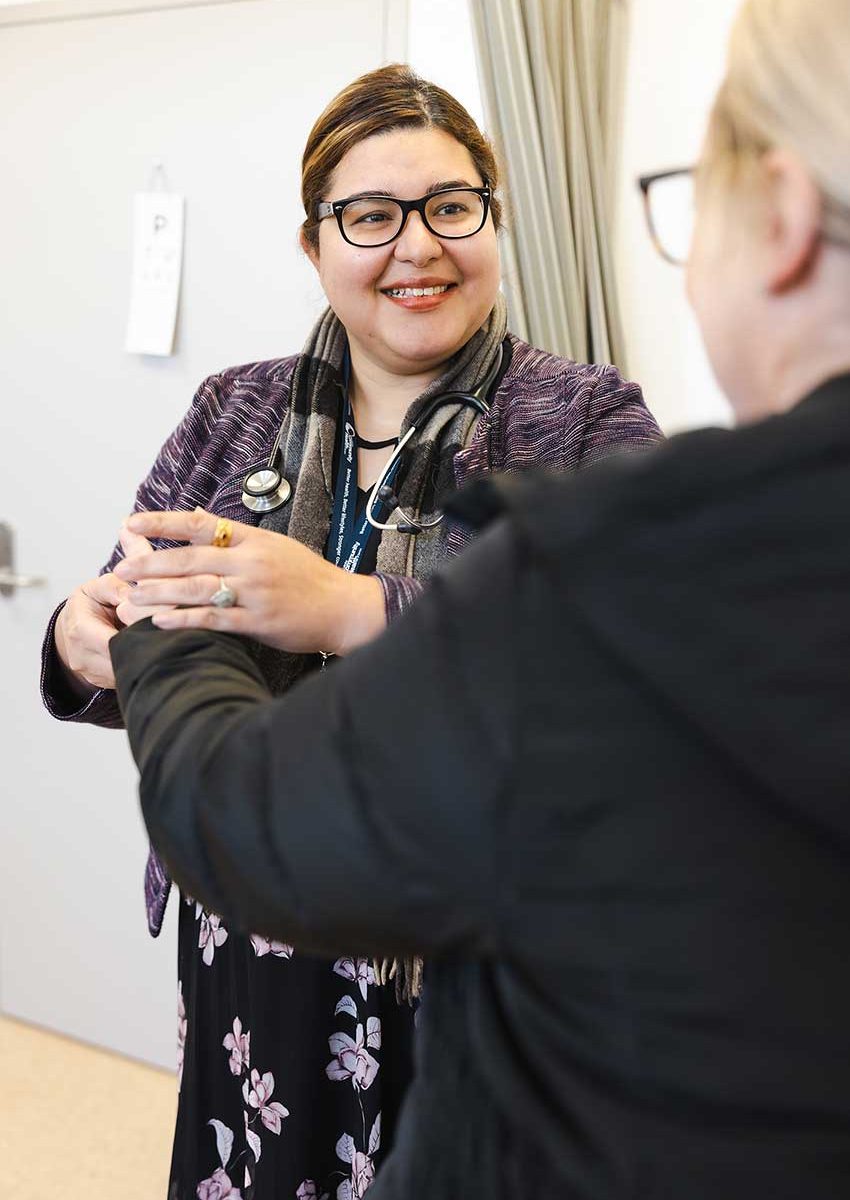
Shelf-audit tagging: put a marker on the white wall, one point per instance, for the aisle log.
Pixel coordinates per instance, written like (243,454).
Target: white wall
(675,60)
(441,48)
(224,98)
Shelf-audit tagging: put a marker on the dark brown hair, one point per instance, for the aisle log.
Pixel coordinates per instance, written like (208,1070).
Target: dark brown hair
(392,97)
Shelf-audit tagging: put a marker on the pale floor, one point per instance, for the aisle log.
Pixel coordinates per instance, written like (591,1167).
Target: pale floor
(78,1123)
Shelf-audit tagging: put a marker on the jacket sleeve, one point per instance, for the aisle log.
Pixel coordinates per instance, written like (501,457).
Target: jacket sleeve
(618,419)
(354,814)
(157,491)
(400,591)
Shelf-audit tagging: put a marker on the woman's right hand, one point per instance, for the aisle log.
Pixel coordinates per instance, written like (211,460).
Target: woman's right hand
(89,622)
(84,629)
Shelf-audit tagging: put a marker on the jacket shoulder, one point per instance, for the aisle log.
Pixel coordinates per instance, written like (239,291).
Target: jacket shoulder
(532,369)
(230,425)
(271,370)
(250,380)
(546,405)
(553,509)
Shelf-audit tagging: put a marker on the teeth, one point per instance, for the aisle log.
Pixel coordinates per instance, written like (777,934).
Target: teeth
(403,293)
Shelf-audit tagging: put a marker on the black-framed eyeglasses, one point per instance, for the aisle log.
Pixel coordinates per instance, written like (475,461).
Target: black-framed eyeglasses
(378,220)
(668,203)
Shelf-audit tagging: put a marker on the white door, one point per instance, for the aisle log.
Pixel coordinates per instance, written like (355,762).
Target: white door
(224,95)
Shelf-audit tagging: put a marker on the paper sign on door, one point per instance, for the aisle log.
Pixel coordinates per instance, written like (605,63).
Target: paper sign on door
(157,263)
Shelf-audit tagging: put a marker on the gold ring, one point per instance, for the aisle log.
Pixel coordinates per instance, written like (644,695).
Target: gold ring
(223,532)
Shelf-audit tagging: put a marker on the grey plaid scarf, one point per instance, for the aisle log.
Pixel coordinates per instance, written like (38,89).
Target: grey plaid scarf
(307,452)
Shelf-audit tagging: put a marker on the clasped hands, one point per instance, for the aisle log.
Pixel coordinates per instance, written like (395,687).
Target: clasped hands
(286,595)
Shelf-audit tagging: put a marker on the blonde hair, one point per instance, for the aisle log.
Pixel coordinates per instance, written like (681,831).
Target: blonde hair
(787,85)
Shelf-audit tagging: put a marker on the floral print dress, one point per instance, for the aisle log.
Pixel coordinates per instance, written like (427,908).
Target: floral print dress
(291,1068)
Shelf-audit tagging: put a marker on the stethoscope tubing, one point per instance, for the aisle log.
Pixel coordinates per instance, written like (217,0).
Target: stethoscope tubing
(264,498)
(381,481)
(408,523)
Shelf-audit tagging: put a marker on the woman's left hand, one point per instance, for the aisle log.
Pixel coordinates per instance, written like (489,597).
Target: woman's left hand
(286,595)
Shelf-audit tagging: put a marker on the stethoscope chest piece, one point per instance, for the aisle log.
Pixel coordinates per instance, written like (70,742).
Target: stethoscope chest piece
(265,489)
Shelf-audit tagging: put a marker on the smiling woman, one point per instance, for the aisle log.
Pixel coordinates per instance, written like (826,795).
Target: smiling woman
(393,250)
(402,212)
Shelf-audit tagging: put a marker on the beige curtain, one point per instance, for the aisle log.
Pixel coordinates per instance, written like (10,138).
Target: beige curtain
(551,73)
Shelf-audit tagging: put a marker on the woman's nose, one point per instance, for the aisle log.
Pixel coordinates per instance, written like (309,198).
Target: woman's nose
(416,243)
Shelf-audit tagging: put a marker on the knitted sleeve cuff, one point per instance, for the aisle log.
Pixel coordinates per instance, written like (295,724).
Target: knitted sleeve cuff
(399,593)
(101,708)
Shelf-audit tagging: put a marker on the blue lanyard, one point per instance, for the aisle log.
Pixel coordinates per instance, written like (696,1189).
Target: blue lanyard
(349,537)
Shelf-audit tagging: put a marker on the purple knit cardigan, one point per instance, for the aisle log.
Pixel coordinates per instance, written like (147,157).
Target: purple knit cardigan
(547,412)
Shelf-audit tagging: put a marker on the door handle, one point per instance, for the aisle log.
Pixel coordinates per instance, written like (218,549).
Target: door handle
(10,580)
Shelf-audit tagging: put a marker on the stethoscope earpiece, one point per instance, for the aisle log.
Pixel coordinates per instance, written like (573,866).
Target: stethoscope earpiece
(387,496)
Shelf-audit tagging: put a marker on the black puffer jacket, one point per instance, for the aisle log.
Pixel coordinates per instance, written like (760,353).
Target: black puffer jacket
(600,778)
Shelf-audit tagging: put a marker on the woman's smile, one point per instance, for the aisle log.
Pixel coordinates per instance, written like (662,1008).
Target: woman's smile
(382,294)
(419,295)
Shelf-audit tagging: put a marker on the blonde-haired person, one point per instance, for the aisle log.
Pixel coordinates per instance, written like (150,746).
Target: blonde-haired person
(293,1068)
(628,856)
(773,191)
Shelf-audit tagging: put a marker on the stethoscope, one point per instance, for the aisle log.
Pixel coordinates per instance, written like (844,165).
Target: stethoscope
(264,489)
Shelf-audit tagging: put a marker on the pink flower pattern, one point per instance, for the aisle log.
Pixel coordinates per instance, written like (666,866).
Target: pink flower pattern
(362,1174)
(308,1190)
(256,1095)
(257,1090)
(239,1045)
(217,1187)
(352,1060)
(255,1143)
(212,934)
(362,1164)
(263,946)
(359,970)
(182,1028)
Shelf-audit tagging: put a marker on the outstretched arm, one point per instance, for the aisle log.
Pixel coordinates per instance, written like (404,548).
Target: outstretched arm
(355,813)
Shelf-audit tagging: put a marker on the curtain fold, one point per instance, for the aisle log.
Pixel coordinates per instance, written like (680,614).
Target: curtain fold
(551,74)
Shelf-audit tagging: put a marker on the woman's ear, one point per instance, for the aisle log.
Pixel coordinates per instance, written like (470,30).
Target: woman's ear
(793,220)
(309,249)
